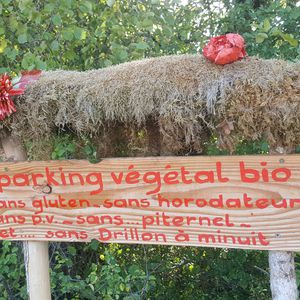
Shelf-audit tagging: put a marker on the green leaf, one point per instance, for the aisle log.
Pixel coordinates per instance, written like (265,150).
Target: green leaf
(79,33)
(267,25)
(147,23)
(22,38)
(40,65)
(275,31)
(93,278)
(110,2)
(49,7)
(61,152)
(3,45)
(28,61)
(94,245)
(67,3)
(123,54)
(290,39)
(67,34)
(142,46)
(3,70)
(133,270)
(13,23)
(86,7)
(107,63)
(11,53)
(88,149)
(295,14)
(260,37)
(54,45)
(71,147)
(56,20)
(43,46)
(72,250)
(264,147)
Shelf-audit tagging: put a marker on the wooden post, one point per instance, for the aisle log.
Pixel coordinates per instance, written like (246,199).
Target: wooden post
(35,253)
(282,268)
(282,275)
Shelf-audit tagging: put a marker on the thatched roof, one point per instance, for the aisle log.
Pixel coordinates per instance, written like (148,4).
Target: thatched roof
(185,98)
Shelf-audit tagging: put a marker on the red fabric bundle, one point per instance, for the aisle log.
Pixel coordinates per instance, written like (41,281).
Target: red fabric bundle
(225,49)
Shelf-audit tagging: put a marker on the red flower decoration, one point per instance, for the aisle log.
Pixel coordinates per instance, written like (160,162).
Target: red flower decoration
(225,49)
(8,89)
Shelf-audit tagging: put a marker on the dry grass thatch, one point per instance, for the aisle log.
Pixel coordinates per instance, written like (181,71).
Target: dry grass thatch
(182,99)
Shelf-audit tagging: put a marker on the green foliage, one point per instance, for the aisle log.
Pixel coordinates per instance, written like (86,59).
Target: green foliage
(256,147)
(90,151)
(107,275)
(93,34)
(270,31)
(212,148)
(156,272)
(243,147)
(297,266)
(12,273)
(64,148)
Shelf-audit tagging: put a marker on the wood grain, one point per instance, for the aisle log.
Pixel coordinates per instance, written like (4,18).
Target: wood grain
(279,227)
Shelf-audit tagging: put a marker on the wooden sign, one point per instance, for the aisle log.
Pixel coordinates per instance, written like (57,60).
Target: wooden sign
(249,202)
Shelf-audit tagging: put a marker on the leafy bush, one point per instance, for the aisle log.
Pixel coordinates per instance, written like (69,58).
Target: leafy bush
(88,34)
(12,271)
(269,30)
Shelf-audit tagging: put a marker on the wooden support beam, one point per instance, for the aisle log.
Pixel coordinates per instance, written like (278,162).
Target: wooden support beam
(282,275)
(282,265)
(35,253)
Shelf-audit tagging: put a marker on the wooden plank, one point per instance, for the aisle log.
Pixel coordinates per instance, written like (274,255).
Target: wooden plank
(248,202)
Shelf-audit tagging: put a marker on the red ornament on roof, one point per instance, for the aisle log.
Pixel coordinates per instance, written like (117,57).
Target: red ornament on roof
(225,49)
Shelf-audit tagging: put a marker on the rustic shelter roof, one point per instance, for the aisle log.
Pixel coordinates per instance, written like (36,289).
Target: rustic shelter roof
(177,101)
